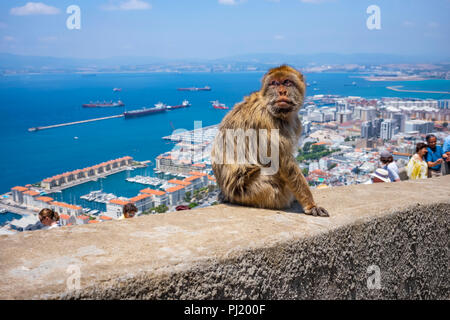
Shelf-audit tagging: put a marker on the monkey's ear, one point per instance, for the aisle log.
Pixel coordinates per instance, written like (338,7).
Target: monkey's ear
(302,77)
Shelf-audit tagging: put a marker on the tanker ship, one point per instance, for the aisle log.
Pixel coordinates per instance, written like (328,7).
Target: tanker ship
(183,105)
(159,107)
(104,104)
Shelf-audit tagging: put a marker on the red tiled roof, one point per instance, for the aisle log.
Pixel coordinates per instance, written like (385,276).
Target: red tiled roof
(31,193)
(175,181)
(191,178)
(154,192)
(21,189)
(174,189)
(119,202)
(196,173)
(139,197)
(45,199)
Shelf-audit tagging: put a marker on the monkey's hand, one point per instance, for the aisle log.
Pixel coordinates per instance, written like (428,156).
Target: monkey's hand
(317,211)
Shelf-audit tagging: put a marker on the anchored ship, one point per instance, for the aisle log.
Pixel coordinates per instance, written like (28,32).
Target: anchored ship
(217,105)
(206,88)
(104,104)
(183,105)
(159,107)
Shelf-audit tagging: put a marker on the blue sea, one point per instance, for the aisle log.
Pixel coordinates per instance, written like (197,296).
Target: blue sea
(39,100)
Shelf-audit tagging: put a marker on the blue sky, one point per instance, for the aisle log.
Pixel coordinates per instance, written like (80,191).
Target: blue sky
(221,28)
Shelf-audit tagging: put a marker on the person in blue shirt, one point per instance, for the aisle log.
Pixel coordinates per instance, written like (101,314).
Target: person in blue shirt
(435,156)
(446,150)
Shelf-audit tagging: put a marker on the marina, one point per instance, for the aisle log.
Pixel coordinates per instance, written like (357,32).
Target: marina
(146,180)
(99,196)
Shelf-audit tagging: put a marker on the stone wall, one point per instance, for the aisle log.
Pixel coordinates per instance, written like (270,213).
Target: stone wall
(232,252)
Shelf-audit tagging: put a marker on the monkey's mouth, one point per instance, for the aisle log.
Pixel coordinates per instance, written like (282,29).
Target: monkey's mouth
(284,104)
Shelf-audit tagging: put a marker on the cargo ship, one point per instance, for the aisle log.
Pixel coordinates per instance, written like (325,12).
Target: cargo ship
(104,104)
(206,88)
(159,107)
(217,105)
(183,105)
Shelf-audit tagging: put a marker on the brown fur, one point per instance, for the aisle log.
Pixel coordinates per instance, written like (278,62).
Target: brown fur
(243,183)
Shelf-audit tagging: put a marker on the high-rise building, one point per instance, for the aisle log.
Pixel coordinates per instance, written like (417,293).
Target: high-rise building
(368,114)
(387,128)
(400,119)
(367,130)
(376,125)
(419,125)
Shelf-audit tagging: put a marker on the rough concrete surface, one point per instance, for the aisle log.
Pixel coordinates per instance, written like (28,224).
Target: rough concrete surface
(232,252)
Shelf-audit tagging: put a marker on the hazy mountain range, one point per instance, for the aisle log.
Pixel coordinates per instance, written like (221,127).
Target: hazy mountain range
(18,62)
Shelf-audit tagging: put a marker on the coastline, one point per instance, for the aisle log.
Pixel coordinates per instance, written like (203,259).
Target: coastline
(396,88)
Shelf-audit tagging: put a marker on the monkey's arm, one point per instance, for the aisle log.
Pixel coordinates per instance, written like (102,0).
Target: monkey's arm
(293,176)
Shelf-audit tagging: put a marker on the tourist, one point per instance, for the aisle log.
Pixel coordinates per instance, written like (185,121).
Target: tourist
(389,164)
(446,150)
(380,175)
(48,219)
(435,157)
(417,167)
(129,211)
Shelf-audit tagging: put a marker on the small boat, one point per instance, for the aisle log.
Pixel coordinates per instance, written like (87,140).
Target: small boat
(217,105)
(3,211)
(117,90)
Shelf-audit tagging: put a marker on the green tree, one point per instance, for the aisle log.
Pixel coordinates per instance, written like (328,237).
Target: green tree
(331,166)
(187,196)
(307,146)
(161,209)
(193,205)
(305,171)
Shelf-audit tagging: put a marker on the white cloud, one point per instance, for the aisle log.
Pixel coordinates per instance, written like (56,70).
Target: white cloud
(32,8)
(3,25)
(279,37)
(433,24)
(129,5)
(228,2)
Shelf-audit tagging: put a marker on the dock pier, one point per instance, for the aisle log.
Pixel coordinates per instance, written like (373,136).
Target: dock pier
(73,123)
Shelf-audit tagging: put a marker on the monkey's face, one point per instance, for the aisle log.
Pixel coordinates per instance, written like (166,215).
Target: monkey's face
(284,93)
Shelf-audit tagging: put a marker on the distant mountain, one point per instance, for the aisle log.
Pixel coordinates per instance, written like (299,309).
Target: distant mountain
(334,58)
(262,60)
(11,61)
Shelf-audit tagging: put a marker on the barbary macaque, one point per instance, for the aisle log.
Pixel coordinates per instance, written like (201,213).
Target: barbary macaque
(267,119)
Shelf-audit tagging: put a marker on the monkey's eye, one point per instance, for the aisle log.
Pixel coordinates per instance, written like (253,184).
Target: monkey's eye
(274,83)
(287,83)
